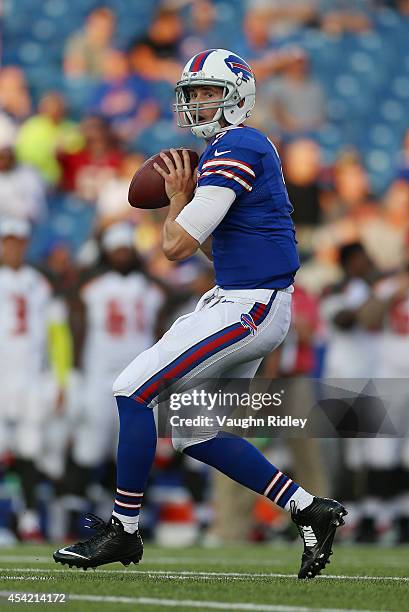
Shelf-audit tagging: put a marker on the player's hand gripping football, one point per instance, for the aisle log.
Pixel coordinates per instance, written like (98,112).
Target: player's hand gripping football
(180,180)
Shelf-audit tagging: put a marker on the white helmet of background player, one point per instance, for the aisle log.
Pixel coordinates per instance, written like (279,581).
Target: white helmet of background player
(218,68)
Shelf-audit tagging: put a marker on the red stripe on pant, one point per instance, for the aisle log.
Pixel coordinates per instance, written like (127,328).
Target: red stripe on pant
(201,352)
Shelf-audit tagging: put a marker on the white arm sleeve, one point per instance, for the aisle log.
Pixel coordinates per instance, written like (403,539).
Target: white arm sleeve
(204,213)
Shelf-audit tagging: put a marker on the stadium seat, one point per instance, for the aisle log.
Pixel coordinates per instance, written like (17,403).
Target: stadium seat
(69,219)
(163,135)
(77,93)
(73,221)
(380,167)
(382,135)
(400,87)
(31,53)
(347,85)
(392,110)
(56,8)
(44,29)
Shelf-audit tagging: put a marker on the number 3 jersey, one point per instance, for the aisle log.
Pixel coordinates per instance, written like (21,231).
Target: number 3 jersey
(121,313)
(24,307)
(254,246)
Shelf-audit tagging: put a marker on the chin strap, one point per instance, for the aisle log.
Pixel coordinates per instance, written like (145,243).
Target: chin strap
(206,131)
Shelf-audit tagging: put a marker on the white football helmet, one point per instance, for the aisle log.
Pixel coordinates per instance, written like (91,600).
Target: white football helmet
(219,68)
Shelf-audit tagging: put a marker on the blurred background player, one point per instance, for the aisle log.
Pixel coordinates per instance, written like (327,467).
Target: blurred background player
(385,502)
(352,353)
(24,300)
(115,317)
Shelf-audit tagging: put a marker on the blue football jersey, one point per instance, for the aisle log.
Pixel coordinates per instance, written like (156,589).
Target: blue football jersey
(254,246)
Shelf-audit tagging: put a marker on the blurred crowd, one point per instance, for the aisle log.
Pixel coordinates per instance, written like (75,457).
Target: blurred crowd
(85,287)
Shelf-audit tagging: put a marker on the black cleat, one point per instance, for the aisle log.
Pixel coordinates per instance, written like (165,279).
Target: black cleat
(317,525)
(110,543)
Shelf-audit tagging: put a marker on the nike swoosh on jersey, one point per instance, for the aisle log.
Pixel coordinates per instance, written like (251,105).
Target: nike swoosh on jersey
(217,153)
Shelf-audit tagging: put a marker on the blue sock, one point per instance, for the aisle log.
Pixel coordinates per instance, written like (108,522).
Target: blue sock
(136,452)
(244,463)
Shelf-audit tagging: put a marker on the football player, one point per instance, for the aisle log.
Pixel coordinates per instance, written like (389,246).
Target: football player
(386,460)
(352,352)
(24,300)
(240,215)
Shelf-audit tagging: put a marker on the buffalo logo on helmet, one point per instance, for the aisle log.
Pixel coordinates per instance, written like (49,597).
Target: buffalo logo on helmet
(239,67)
(247,321)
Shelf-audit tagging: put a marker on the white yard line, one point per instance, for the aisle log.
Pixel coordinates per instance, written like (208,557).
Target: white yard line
(155,561)
(190,561)
(34,578)
(191,603)
(24,559)
(183,575)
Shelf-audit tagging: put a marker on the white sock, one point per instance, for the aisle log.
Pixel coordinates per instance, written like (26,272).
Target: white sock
(301,498)
(130,523)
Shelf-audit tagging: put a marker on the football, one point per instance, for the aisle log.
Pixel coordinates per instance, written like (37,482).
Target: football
(147,188)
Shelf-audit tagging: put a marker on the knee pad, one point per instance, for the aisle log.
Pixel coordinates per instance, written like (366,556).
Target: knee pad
(180,444)
(136,373)
(119,386)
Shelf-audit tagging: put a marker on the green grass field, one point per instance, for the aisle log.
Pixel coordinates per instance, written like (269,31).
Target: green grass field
(252,578)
